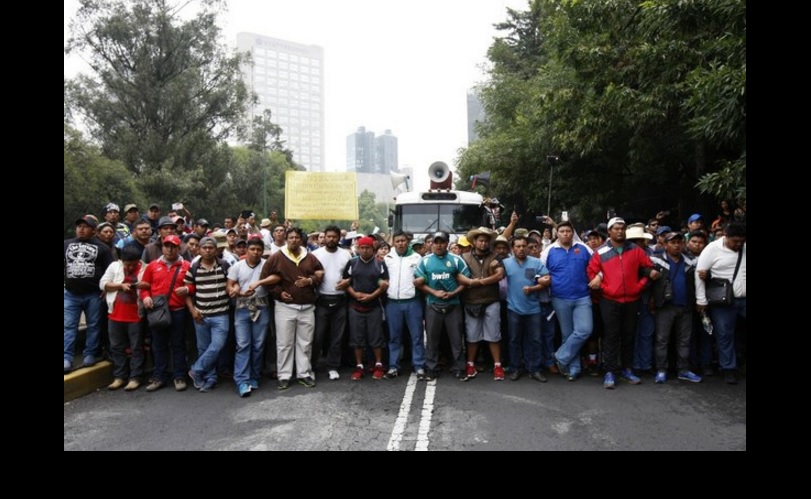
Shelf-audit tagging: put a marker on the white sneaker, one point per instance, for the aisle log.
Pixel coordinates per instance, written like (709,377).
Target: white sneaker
(333,374)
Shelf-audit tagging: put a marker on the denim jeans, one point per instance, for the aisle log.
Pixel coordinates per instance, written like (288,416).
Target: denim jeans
(525,335)
(211,335)
(174,335)
(250,344)
(407,313)
(645,336)
(75,304)
(548,334)
(576,324)
(121,335)
(724,319)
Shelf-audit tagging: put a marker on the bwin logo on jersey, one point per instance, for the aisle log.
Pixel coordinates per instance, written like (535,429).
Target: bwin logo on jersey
(439,277)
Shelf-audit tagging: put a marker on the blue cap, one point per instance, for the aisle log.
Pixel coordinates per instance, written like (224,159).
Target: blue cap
(694,217)
(661,230)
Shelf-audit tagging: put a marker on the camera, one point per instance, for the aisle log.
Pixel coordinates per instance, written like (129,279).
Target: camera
(177,206)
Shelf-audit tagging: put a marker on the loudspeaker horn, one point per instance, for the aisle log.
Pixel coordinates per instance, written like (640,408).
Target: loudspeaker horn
(440,175)
(399,178)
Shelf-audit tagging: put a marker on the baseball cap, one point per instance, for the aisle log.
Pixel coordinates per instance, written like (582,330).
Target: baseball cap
(202,222)
(663,230)
(91,222)
(441,234)
(208,240)
(694,217)
(615,220)
(673,235)
(171,239)
(111,207)
(131,206)
(366,241)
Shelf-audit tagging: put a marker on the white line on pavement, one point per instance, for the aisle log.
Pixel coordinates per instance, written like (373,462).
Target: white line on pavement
(425,419)
(402,417)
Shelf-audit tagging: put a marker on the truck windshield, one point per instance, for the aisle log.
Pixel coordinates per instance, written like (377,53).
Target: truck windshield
(424,218)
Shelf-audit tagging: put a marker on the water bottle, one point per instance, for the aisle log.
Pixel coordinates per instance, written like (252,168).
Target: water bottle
(706,322)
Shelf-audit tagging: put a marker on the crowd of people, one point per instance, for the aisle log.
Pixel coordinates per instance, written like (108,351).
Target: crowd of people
(252,300)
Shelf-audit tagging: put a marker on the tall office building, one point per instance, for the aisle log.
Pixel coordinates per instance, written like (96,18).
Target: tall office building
(386,153)
(288,78)
(360,151)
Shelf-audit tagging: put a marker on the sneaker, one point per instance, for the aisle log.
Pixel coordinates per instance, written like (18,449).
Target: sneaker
(283,384)
(180,385)
(421,375)
(730,377)
(132,385)
(661,378)
(572,376)
(154,384)
(538,376)
(515,375)
(116,384)
(244,390)
(392,373)
(196,380)
(208,386)
(498,373)
(459,374)
(357,373)
(431,375)
(630,377)
(608,381)
(68,366)
(378,372)
(470,370)
(333,374)
(254,384)
(689,376)
(309,382)
(89,361)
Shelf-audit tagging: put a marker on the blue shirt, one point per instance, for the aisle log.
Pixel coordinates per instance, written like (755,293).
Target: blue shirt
(518,276)
(568,270)
(678,281)
(440,273)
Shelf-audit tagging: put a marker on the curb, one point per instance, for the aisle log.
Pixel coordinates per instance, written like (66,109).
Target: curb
(86,380)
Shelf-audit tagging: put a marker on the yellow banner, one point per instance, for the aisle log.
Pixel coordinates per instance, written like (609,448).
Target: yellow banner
(320,196)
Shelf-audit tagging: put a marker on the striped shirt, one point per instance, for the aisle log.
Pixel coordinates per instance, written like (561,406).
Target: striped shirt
(208,287)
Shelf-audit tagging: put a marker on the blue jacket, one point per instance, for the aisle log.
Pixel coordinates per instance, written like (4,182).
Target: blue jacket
(568,270)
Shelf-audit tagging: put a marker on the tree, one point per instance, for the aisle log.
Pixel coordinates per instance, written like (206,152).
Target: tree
(639,100)
(162,92)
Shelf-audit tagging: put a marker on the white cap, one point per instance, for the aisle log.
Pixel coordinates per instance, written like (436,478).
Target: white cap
(615,220)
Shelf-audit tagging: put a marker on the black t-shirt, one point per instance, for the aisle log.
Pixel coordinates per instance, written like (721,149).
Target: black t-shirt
(366,276)
(84,264)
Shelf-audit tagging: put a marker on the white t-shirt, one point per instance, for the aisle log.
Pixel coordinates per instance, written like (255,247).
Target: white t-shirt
(334,264)
(242,273)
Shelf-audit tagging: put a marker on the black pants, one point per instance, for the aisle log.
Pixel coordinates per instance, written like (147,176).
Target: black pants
(330,322)
(619,329)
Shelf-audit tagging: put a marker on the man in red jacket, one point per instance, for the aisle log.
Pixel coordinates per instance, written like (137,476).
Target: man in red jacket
(621,270)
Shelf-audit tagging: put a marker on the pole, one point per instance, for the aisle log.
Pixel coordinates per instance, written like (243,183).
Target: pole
(549,198)
(264,183)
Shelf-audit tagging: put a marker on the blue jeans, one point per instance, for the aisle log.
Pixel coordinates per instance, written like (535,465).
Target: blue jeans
(576,324)
(724,319)
(250,344)
(548,334)
(211,336)
(410,314)
(645,336)
(174,335)
(525,334)
(75,303)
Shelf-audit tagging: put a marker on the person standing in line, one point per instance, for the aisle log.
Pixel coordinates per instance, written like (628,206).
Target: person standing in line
(620,269)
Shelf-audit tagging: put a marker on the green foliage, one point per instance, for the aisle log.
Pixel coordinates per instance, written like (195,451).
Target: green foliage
(92,180)
(162,93)
(639,100)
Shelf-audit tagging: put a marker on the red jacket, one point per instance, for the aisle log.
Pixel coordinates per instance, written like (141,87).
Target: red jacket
(624,274)
(159,277)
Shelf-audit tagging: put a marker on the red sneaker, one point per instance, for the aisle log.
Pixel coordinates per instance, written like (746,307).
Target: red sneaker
(378,372)
(358,374)
(470,371)
(498,373)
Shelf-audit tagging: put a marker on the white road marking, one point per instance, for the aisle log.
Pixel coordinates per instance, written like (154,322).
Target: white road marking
(402,417)
(427,413)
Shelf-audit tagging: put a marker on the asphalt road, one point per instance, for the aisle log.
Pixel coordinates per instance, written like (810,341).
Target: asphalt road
(446,414)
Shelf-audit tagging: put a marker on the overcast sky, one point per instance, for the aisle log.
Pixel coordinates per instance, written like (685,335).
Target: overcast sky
(399,65)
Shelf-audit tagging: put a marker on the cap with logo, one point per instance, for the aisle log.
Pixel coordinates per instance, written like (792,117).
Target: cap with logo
(171,239)
(87,219)
(441,234)
(111,207)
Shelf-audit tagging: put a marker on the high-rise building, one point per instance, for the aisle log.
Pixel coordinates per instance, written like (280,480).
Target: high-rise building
(288,79)
(360,151)
(386,153)
(475,114)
